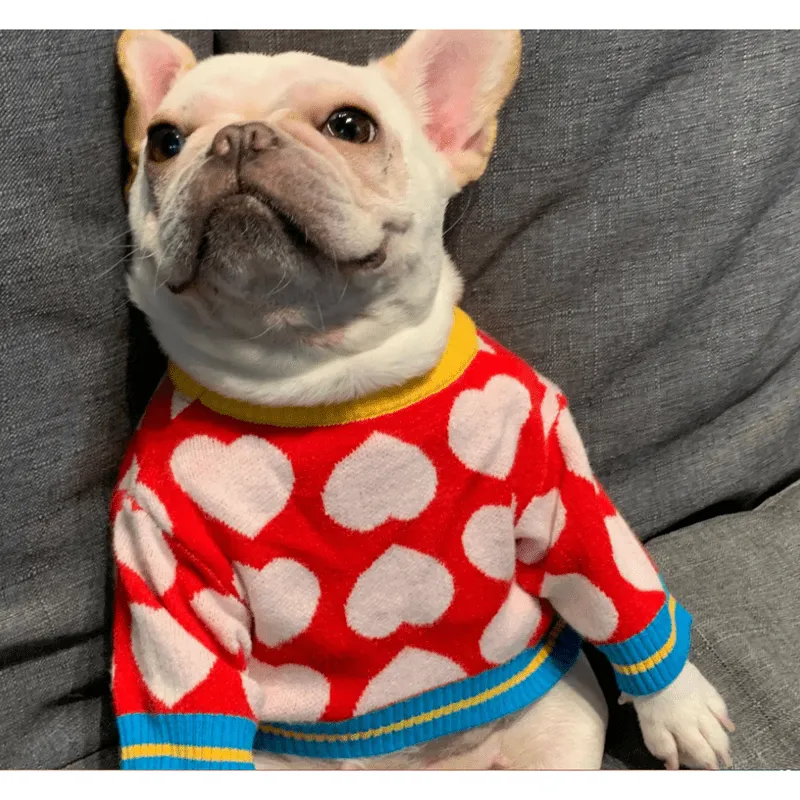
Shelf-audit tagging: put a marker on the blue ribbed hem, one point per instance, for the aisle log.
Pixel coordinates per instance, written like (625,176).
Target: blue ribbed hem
(448,709)
(186,741)
(169,762)
(651,660)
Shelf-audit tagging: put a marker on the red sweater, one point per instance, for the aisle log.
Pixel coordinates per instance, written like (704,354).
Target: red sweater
(316,569)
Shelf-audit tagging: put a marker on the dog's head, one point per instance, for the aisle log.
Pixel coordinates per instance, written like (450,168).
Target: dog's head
(291,197)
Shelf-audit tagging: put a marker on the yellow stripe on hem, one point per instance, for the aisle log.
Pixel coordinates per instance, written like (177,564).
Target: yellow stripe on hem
(436,713)
(462,346)
(189,752)
(654,660)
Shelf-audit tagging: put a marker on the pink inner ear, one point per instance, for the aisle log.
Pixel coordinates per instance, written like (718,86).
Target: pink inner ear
(155,66)
(451,82)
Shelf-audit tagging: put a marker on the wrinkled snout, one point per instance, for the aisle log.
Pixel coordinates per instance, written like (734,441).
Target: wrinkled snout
(260,203)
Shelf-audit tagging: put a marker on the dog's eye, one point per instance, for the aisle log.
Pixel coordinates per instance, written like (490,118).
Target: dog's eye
(351,125)
(164,142)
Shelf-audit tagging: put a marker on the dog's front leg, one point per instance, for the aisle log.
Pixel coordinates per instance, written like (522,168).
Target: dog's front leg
(579,553)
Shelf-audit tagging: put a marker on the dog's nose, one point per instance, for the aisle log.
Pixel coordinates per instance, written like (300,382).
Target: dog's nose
(235,142)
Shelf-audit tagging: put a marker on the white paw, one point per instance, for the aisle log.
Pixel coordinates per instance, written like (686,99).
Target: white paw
(686,722)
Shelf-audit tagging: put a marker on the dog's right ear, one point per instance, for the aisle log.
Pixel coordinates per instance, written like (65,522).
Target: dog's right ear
(151,62)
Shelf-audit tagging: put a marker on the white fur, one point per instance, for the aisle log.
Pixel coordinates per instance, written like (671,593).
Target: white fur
(685,723)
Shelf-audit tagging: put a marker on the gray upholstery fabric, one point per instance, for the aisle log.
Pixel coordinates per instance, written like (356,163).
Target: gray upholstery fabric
(636,237)
(739,575)
(64,351)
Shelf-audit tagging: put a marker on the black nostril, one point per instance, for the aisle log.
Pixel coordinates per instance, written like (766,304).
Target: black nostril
(226,143)
(258,137)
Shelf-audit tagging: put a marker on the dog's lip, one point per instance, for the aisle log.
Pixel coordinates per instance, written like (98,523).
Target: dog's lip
(266,202)
(372,260)
(241,195)
(299,234)
(302,238)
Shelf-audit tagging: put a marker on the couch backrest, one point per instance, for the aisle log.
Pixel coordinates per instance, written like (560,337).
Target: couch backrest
(65,357)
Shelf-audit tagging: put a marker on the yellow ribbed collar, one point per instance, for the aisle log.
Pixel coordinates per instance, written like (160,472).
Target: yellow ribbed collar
(461,349)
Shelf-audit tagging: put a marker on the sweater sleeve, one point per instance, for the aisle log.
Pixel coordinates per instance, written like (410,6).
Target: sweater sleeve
(181,641)
(576,551)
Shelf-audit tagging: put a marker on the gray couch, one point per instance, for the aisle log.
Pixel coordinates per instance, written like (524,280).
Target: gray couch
(637,238)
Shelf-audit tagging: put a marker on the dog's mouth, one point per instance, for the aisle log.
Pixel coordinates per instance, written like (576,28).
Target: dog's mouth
(262,205)
(299,236)
(254,203)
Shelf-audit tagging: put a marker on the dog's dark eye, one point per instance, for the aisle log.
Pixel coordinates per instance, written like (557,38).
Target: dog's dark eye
(164,142)
(351,125)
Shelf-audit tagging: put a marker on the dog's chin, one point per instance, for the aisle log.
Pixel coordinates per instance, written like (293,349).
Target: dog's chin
(246,253)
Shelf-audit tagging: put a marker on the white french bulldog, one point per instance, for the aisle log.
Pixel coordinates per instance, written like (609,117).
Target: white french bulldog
(287,213)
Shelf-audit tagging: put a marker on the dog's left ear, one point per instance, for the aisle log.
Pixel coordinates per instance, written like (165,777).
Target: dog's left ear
(456,81)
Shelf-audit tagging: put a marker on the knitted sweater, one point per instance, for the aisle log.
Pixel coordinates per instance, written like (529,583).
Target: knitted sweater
(348,580)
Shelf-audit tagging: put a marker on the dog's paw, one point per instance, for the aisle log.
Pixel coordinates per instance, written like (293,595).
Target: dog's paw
(686,723)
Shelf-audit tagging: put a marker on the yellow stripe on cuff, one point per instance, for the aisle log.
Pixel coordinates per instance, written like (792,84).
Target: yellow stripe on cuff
(659,655)
(190,752)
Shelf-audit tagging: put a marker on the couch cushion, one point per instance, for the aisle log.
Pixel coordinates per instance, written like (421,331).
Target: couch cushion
(739,576)
(64,355)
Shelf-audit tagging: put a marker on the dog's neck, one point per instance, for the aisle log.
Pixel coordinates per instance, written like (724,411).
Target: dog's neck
(267,375)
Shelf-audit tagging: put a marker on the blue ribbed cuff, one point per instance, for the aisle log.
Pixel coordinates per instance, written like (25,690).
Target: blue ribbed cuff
(186,741)
(651,660)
